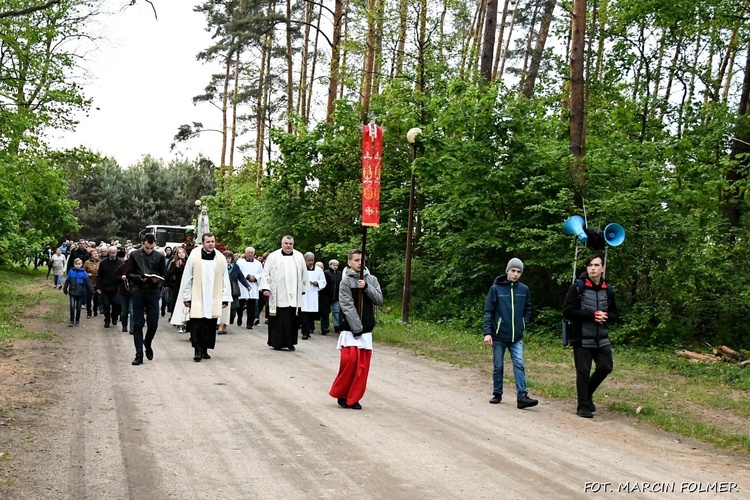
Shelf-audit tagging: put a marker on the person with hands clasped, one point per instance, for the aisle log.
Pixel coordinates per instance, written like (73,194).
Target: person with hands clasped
(358,298)
(507,310)
(590,306)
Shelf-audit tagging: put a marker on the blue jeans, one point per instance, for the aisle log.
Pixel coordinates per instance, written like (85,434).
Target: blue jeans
(516,356)
(126,310)
(325,324)
(75,308)
(58,280)
(145,312)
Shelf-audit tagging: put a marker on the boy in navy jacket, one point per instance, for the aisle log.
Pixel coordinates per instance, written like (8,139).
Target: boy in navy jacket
(507,310)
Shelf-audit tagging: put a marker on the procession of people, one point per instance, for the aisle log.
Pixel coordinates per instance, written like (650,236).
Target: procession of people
(204,290)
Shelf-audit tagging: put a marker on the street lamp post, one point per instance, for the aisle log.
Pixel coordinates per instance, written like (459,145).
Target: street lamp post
(411,137)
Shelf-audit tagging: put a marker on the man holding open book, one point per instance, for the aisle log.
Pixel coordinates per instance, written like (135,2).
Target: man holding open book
(145,272)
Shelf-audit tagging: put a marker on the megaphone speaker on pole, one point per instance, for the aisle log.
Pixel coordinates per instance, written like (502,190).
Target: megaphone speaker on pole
(576,226)
(614,234)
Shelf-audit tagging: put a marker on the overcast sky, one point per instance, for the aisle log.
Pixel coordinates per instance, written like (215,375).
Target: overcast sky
(142,81)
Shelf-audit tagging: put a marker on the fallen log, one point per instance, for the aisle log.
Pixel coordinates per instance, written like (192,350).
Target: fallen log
(744,363)
(696,356)
(729,352)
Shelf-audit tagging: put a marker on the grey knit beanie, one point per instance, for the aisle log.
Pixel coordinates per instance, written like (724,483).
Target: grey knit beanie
(514,264)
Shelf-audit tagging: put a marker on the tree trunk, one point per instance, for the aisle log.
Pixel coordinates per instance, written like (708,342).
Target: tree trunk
(224,119)
(289,68)
(529,37)
(403,13)
(344,54)
(306,118)
(732,200)
(507,42)
(235,98)
(333,80)
(466,47)
(488,45)
(302,91)
(378,61)
(422,48)
(536,58)
(500,39)
(577,104)
(601,36)
(369,60)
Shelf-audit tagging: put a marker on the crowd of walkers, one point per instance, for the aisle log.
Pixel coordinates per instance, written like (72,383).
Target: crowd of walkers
(204,290)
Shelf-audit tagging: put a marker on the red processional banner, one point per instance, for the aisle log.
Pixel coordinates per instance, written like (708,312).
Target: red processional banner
(372,155)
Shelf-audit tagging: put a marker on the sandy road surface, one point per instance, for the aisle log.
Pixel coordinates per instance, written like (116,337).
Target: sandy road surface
(254,423)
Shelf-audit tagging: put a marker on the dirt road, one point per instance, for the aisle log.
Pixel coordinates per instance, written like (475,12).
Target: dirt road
(254,423)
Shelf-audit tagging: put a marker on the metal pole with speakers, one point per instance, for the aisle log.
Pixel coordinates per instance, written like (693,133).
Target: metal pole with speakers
(586,237)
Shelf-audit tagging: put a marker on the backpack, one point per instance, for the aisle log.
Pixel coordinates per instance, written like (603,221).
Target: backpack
(567,325)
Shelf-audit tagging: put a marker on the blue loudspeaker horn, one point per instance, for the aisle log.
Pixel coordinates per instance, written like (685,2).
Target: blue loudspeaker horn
(614,235)
(575,226)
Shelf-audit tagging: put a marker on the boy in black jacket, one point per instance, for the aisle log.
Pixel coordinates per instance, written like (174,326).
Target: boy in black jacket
(590,306)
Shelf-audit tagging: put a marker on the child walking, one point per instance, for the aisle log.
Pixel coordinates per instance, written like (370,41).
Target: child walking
(76,285)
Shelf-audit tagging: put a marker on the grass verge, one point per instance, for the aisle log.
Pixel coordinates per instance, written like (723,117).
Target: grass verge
(20,292)
(707,402)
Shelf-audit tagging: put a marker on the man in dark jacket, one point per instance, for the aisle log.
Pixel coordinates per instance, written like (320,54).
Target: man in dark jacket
(81,252)
(108,283)
(329,298)
(590,306)
(145,271)
(506,312)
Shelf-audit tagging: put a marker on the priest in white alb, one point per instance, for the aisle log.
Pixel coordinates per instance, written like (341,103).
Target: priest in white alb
(206,290)
(284,282)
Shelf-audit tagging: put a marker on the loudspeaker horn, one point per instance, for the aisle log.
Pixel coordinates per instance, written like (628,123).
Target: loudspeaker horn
(575,226)
(614,234)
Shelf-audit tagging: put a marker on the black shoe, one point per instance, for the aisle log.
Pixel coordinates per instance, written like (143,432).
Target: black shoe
(114,321)
(124,328)
(337,329)
(249,326)
(527,402)
(342,402)
(292,348)
(88,315)
(106,324)
(257,322)
(239,322)
(277,348)
(198,356)
(584,411)
(305,337)
(205,355)
(96,313)
(163,313)
(325,332)
(149,353)
(72,323)
(356,406)
(592,406)
(496,398)
(137,361)
(77,323)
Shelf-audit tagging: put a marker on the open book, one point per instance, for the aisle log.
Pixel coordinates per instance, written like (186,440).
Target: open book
(154,276)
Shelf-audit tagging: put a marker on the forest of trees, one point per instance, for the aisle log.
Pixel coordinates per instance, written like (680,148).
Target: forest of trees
(627,111)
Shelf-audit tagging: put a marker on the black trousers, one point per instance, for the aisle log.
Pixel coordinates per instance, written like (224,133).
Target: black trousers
(586,382)
(202,333)
(110,306)
(145,312)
